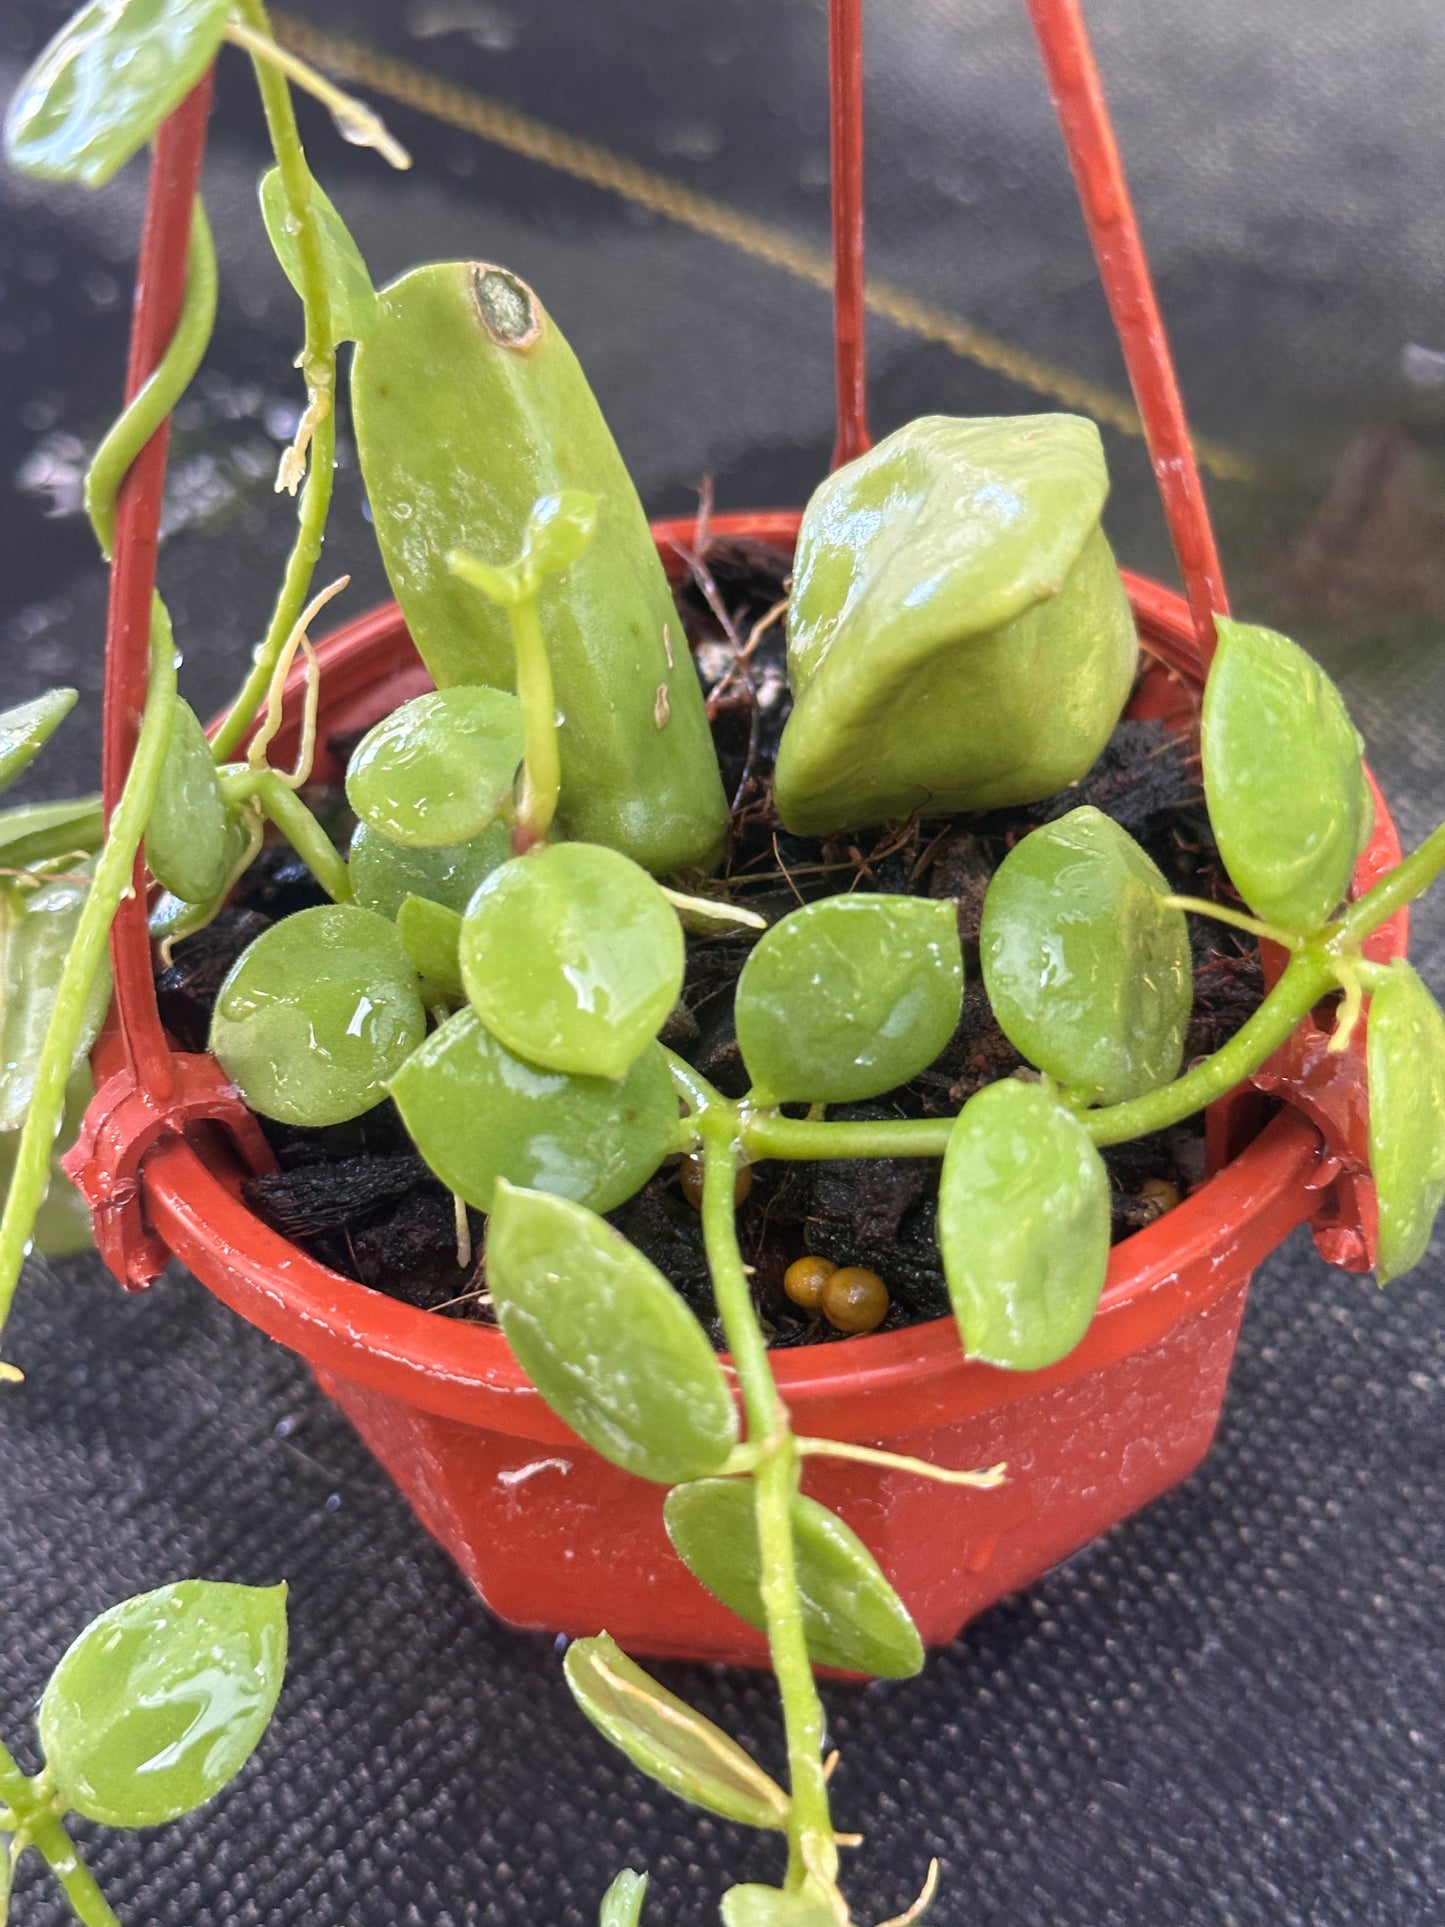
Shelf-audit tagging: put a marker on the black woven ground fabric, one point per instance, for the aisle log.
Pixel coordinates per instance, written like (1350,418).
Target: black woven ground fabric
(1228,1711)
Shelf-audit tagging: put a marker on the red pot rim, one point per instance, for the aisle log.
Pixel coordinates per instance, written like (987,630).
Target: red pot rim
(345,1328)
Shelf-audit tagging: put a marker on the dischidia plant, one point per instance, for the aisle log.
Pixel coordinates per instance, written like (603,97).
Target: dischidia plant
(504,940)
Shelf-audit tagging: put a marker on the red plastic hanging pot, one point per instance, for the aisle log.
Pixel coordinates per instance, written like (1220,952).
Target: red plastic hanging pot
(549,1534)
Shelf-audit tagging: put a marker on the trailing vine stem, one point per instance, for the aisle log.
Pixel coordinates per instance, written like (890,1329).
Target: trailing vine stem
(158,394)
(31,1806)
(1316,966)
(812,1850)
(84,959)
(318,365)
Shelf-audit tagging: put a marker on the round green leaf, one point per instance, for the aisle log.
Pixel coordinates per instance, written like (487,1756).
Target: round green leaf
(663,1736)
(431,935)
(105,83)
(477,1113)
(162,1699)
(753,1906)
(605,1338)
(1405,1049)
(1287,793)
(1023,1225)
(1088,970)
(573,958)
(384,873)
(26,729)
(622,1902)
(317,1014)
(37,928)
(350,295)
(439,769)
(849,997)
(189,844)
(852,1617)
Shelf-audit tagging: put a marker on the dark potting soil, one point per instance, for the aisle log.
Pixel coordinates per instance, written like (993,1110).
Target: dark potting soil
(360,1199)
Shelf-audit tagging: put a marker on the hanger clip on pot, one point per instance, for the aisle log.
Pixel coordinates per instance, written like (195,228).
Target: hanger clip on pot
(123,1125)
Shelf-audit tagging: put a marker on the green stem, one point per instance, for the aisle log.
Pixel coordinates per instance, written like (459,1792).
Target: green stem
(304,834)
(45,1828)
(161,390)
(542,761)
(812,1852)
(1239,919)
(1400,886)
(112,879)
(318,363)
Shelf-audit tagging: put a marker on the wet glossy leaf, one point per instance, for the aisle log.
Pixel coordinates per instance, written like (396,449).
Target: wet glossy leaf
(622,1903)
(439,769)
(663,1736)
(1287,793)
(477,1113)
(1087,969)
(28,727)
(852,1617)
(958,634)
(189,845)
(752,1906)
(431,935)
(317,1014)
(106,82)
(605,1338)
(161,1700)
(1023,1225)
(849,997)
(39,832)
(384,873)
(62,1224)
(463,363)
(37,926)
(349,291)
(573,957)
(1405,1047)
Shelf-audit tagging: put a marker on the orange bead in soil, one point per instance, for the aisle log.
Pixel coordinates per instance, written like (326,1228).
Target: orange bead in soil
(855,1300)
(805,1279)
(690,1178)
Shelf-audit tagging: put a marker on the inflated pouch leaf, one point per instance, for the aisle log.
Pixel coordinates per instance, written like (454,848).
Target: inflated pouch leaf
(605,1339)
(1087,969)
(1023,1225)
(752,1906)
(852,1617)
(469,406)
(439,769)
(37,927)
(317,1014)
(958,634)
(349,291)
(162,1699)
(25,730)
(1287,792)
(477,1113)
(105,83)
(189,842)
(573,957)
(1405,1047)
(384,873)
(663,1736)
(849,997)
(622,1902)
